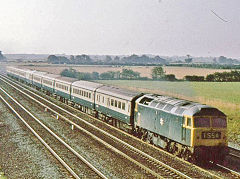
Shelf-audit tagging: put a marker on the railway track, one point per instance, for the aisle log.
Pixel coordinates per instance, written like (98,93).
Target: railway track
(74,163)
(232,172)
(234,152)
(151,166)
(146,162)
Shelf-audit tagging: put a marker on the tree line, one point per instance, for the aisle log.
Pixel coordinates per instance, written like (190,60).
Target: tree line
(233,76)
(157,74)
(107,60)
(126,74)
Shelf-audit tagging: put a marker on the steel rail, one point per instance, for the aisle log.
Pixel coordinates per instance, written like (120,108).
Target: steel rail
(230,170)
(101,141)
(213,175)
(53,134)
(234,150)
(41,140)
(109,135)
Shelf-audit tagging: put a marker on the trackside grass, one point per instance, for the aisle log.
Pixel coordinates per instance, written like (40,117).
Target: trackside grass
(222,95)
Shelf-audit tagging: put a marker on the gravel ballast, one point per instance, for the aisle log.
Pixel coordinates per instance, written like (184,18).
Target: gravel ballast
(21,154)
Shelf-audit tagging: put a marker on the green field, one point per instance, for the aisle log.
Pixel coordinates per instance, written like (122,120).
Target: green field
(222,95)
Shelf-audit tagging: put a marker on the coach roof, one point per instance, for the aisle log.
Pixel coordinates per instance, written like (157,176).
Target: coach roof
(118,92)
(50,76)
(86,85)
(67,80)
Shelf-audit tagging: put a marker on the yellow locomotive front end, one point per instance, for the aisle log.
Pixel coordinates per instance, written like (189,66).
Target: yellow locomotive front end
(209,137)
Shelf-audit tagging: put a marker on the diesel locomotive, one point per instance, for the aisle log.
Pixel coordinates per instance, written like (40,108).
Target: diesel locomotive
(190,130)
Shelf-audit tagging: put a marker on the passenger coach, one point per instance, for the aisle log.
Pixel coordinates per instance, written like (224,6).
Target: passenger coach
(117,105)
(48,82)
(83,94)
(37,78)
(63,87)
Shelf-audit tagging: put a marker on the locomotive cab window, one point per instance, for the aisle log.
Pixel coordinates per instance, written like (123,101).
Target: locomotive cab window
(202,122)
(219,122)
(188,121)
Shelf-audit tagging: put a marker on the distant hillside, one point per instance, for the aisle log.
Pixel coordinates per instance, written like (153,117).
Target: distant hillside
(26,57)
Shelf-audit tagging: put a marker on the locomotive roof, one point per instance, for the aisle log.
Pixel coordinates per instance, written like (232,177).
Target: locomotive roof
(118,92)
(177,106)
(87,85)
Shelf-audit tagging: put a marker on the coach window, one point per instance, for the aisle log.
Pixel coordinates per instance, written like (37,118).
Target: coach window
(108,101)
(90,95)
(103,99)
(112,102)
(115,103)
(123,106)
(119,104)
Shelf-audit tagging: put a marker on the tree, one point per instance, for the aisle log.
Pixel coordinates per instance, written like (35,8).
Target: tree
(116,59)
(170,77)
(194,78)
(1,56)
(108,59)
(72,59)
(160,60)
(95,75)
(83,59)
(214,60)
(210,77)
(107,75)
(158,73)
(129,74)
(188,60)
(69,73)
(53,59)
(62,60)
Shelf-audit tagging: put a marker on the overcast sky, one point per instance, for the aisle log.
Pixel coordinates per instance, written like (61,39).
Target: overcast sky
(159,27)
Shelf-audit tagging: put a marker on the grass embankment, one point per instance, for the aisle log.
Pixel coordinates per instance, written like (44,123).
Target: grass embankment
(222,95)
